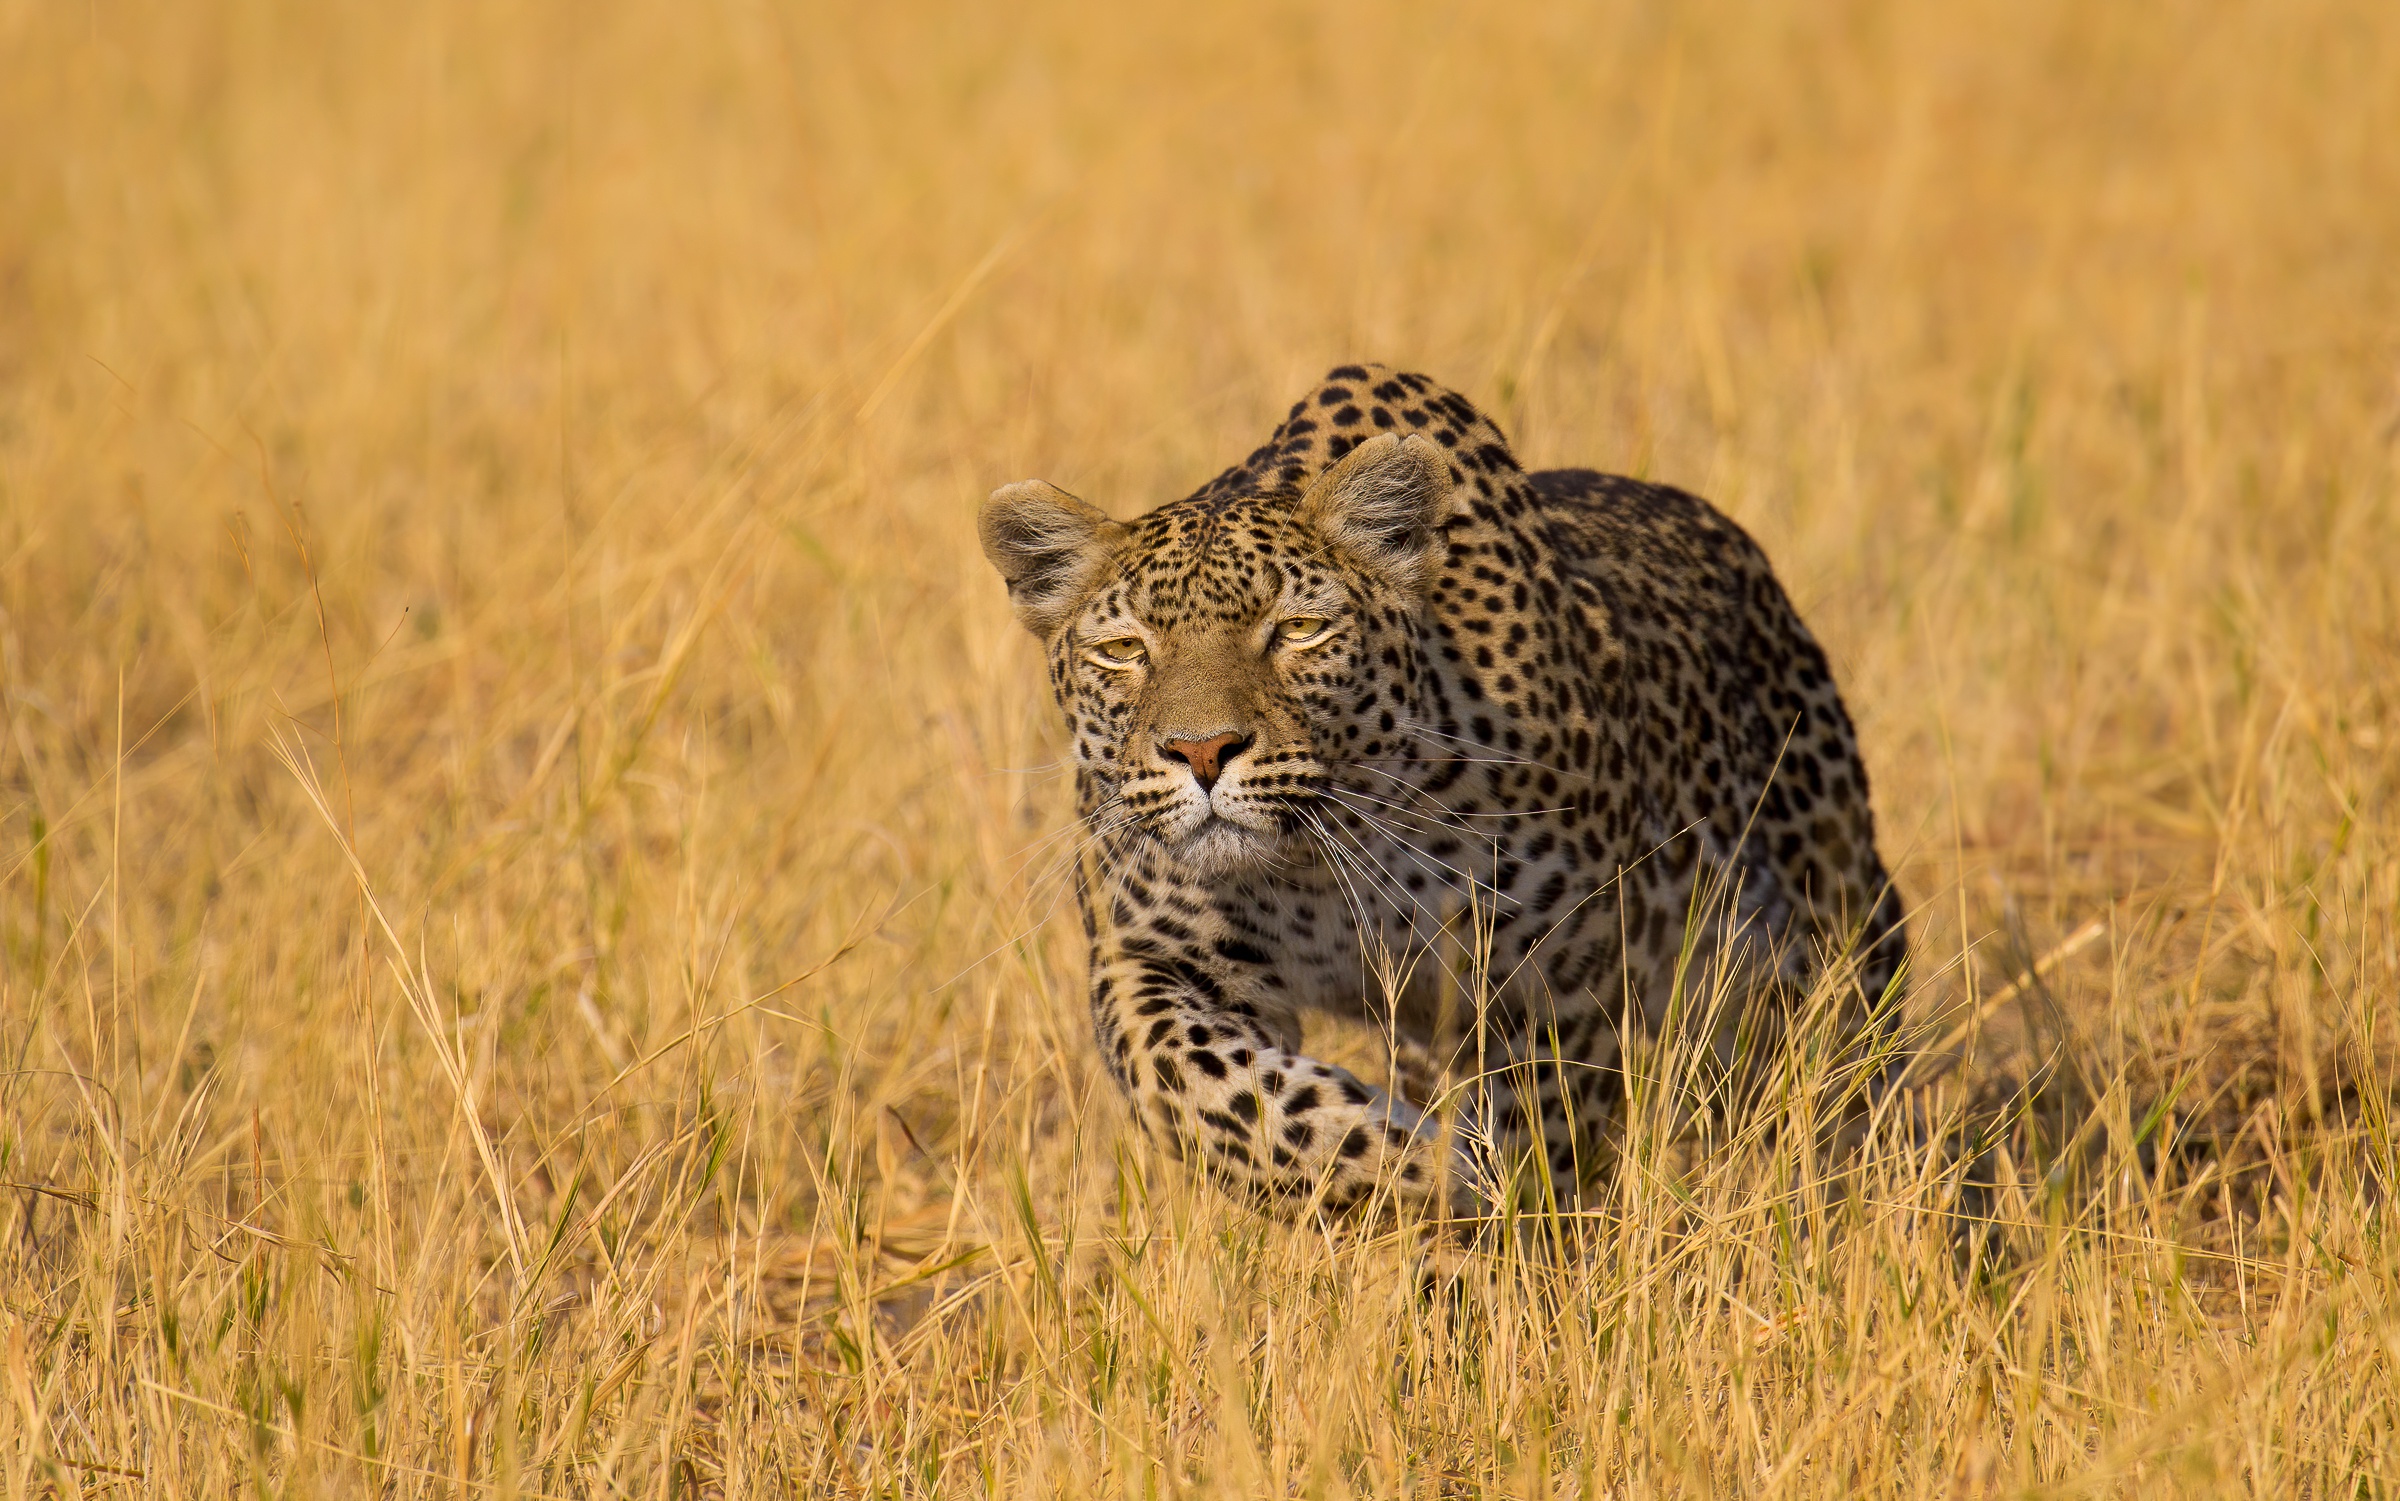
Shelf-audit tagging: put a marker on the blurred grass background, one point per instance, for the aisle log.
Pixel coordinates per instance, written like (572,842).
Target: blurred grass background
(522,887)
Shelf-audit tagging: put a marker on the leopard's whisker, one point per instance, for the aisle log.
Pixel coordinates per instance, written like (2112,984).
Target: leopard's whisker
(1078,828)
(1442,760)
(1382,824)
(1335,864)
(1426,805)
(1446,812)
(1417,851)
(1389,883)
(1080,840)
(1340,859)
(1420,727)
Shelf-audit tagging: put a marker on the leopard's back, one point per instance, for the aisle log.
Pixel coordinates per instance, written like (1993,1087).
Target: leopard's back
(1744,732)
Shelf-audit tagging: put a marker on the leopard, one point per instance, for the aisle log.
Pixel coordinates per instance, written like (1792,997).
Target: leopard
(1378,724)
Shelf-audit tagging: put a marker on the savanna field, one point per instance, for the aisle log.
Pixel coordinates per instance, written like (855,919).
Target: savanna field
(534,958)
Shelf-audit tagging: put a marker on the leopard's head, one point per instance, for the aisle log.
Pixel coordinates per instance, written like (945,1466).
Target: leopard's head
(1219,659)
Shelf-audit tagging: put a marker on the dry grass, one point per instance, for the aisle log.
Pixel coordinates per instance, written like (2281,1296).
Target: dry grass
(534,446)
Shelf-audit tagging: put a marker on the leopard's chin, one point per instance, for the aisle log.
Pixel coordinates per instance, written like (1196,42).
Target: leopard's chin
(1220,847)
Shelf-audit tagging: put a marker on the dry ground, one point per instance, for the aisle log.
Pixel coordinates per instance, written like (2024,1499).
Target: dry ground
(532,446)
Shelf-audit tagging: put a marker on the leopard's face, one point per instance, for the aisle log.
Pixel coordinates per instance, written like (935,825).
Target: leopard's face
(1217,662)
(1215,676)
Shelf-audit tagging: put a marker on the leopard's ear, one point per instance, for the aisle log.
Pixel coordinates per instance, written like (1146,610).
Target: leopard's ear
(1049,546)
(1382,506)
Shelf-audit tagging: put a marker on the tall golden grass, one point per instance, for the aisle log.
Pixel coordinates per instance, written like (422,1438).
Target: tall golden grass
(529,963)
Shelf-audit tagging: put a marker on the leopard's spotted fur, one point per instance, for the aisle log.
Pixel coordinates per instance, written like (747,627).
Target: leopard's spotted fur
(1541,711)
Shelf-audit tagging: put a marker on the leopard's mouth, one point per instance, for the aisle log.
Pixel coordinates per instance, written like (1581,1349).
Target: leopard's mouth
(1218,845)
(1230,828)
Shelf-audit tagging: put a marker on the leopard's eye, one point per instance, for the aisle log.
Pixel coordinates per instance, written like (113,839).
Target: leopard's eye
(1302,630)
(1120,651)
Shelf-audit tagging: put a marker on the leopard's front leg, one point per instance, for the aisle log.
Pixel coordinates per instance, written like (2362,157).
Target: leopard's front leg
(1215,1073)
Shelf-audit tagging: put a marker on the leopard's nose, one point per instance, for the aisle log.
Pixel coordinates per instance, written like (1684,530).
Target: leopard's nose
(1207,757)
